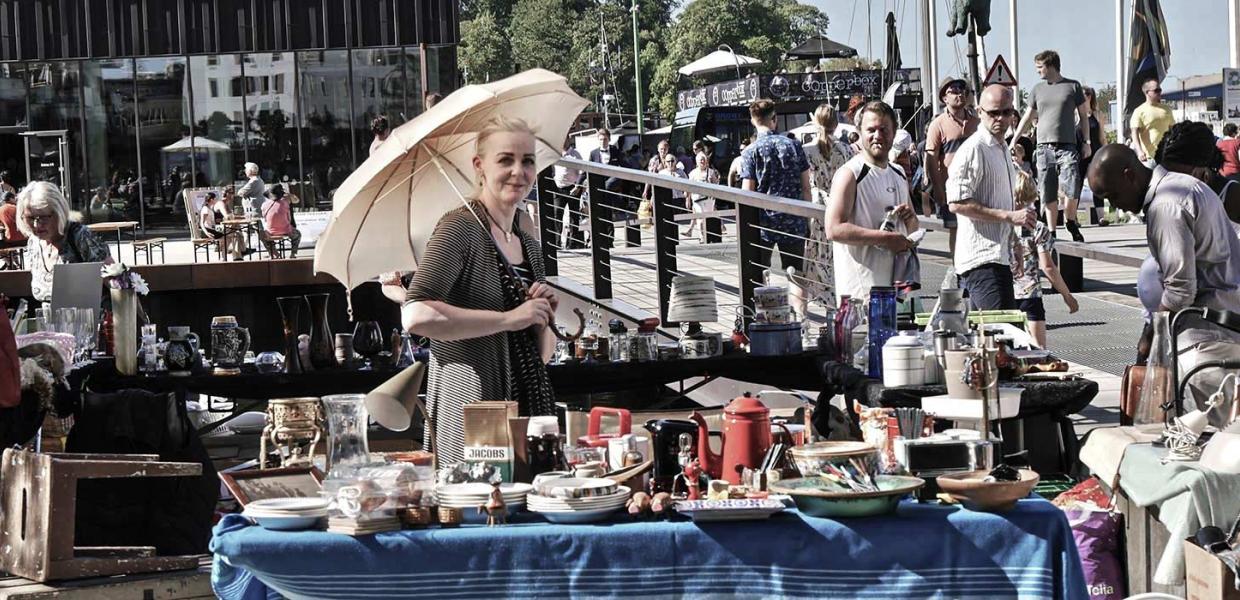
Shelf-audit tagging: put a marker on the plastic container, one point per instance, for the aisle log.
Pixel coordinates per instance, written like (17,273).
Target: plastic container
(882,325)
(904,361)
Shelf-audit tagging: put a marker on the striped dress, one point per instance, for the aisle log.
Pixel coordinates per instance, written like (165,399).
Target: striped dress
(460,267)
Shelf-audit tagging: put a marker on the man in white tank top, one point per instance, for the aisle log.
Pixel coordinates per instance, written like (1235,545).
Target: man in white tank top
(862,192)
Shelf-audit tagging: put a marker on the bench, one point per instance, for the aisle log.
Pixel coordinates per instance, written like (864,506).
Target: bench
(147,248)
(13,258)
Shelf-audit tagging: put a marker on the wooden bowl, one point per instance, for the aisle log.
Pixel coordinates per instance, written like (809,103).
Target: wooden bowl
(975,493)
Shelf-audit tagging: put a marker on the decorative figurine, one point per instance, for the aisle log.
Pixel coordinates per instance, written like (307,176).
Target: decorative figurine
(497,511)
(639,504)
(691,482)
(718,489)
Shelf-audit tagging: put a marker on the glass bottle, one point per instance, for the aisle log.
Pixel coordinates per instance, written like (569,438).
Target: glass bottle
(347,447)
(618,341)
(1156,389)
(882,326)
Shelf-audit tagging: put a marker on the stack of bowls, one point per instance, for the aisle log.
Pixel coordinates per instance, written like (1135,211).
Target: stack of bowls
(287,514)
(577,500)
(469,496)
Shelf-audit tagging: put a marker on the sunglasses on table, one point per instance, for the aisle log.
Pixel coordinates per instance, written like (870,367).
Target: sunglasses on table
(1000,113)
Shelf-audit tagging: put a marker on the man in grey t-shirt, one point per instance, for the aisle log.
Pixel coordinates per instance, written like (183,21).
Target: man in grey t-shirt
(1062,112)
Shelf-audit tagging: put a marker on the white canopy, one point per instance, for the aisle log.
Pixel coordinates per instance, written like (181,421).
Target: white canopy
(719,60)
(198,142)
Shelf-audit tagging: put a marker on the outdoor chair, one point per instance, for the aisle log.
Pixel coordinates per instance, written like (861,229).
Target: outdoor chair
(13,258)
(198,239)
(148,247)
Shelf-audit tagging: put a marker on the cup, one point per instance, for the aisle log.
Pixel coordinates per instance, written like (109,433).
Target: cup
(344,349)
(775,315)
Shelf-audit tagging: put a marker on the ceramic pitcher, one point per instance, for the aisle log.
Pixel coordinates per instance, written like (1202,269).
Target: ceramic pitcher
(182,353)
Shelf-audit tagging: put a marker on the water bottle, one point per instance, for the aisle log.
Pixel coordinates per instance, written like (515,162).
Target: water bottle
(882,326)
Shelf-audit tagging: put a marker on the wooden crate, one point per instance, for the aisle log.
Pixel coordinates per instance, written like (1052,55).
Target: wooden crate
(38,494)
(190,584)
(1145,539)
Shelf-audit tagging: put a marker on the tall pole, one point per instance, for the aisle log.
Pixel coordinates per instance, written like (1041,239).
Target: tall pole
(1121,90)
(1014,59)
(1233,31)
(637,76)
(869,25)
(975,79)
(927,60)
(934,53)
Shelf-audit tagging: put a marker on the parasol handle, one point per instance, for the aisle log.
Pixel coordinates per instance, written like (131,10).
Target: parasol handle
(581,328)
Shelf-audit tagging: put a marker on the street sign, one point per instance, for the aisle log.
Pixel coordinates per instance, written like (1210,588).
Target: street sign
(1000,73)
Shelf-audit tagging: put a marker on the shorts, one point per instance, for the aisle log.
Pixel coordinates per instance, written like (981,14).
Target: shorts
(990,287)
(949,217)
(1058,168)
(791,253)
(1034,309)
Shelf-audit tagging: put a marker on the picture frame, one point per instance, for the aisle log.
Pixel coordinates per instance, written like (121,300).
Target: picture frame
(286,482)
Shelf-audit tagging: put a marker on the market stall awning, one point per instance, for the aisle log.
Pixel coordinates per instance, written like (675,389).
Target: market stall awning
(820,47)
(719,60)
(187,144)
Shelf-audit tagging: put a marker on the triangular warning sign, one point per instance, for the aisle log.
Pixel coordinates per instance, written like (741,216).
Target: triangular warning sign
(1000,73)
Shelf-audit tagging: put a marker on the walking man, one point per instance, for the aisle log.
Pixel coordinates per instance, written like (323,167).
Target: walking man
(944,136)
(1150,121)
(979,193)
(1194,244)
(612,200)
(862,192)
(1062,112)
(568,198)
(776,165)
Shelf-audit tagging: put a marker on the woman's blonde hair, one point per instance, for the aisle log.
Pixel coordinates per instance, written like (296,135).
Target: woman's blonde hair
(37,196)
(501,124)
(826,119)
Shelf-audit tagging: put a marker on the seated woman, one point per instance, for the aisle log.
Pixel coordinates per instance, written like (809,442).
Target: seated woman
(43,217)
(11,236)
(479,293)
(278,222)
(211,220)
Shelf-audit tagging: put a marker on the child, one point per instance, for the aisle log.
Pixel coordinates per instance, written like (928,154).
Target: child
(1031,258)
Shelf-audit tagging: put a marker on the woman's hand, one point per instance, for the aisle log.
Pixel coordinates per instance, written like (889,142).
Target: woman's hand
(544,291)
(533,312)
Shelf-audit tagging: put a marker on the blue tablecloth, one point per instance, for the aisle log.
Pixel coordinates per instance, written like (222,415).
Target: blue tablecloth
(922,551)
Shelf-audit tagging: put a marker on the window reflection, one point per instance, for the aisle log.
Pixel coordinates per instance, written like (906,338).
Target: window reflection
(55,102)
(271,117)
(219,122)
(12,114)
(326,139)
(378,89)
(111,180)
(167,151)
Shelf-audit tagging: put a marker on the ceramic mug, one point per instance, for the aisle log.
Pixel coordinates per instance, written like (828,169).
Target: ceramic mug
(768,297)
(775,316)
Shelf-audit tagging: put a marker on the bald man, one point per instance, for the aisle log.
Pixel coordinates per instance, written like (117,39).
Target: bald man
(1191,239)
(979,192)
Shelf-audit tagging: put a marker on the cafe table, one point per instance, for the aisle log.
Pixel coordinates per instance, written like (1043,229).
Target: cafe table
(923,550)
(115,227)
(246,225)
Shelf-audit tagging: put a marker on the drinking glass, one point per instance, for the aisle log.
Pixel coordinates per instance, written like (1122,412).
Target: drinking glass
(367,341)
(87,325)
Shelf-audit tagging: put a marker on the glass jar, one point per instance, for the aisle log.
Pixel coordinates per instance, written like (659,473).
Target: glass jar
(618,341)
(347,447)
(543,446)
(644,345)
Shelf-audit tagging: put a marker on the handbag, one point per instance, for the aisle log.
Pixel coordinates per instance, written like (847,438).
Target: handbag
(1130,393)
(10,365)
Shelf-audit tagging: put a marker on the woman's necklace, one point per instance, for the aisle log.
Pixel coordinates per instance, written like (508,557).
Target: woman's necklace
(507,232)
(48,253)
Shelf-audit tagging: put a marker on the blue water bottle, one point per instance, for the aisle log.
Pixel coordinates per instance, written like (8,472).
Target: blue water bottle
(882,325)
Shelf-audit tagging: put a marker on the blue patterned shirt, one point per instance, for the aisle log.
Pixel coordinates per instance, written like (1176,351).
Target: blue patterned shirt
(776,163)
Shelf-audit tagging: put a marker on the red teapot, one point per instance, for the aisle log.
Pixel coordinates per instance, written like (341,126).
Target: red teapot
(746,439)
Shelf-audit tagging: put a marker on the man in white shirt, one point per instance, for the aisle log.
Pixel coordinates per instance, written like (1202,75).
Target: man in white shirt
(568,197)
(862,192)
(979,192)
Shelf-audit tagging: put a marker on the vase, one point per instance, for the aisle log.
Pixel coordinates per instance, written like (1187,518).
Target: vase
(347,447)
(290,310)
(322,352)
(125,330)
(1156,390)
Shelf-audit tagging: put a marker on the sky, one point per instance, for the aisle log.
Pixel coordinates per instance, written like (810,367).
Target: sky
(1082,31)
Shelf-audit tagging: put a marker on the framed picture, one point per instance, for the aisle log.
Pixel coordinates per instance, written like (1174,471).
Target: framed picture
(260,484)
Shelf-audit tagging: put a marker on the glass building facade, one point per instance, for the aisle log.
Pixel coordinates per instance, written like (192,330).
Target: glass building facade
(129,101)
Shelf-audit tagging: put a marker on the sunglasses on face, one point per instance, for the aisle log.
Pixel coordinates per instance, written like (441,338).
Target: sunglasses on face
(955,90)
(1157,90)
(1000,113)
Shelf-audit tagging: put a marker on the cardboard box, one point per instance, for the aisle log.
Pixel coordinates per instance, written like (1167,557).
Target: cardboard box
(1206,577)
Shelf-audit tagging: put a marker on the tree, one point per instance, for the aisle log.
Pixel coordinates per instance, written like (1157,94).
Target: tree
(763,29)
(591,76)
(537,34)
(485,53)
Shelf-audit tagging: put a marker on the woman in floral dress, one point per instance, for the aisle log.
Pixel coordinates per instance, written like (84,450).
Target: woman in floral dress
(826,154)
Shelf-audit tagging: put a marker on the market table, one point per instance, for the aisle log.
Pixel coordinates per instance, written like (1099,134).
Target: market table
(1053,401)
(1027,552)
(117,227)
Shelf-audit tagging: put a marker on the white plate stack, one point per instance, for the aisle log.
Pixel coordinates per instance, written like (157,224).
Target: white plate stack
(578,510)
(472,495)
(287,514)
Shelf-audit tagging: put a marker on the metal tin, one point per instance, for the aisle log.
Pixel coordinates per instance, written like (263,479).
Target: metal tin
(775,339)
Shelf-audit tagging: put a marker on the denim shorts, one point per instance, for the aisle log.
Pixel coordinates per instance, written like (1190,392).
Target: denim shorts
(1058,168)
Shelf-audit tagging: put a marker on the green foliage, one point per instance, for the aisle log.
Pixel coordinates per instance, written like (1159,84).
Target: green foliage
(537,34)
(485,53)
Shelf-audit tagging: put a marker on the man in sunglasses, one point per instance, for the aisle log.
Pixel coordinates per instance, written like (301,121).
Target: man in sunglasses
(1150,121)
(979,192)
(1062,111)
(944,136)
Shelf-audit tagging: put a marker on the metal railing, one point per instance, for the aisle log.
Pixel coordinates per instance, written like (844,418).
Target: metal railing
(608,202)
